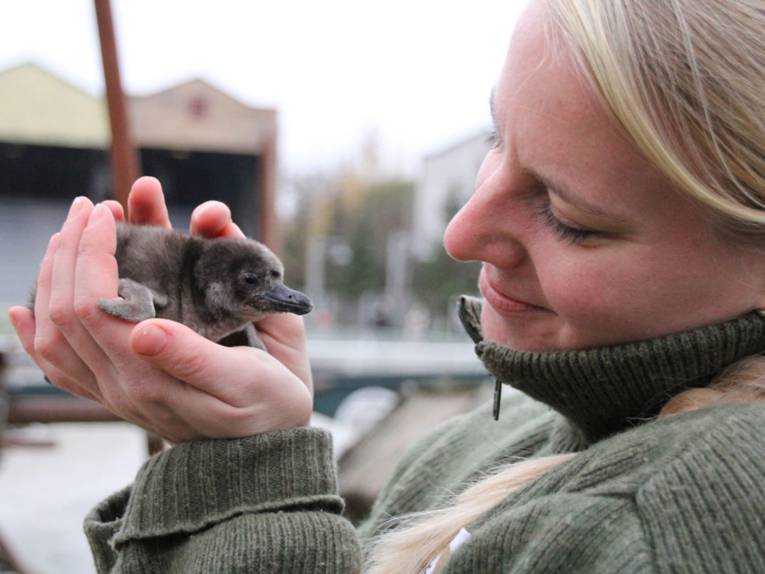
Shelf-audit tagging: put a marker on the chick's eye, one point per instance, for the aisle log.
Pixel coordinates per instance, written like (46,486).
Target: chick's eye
(250,278)
(275,274)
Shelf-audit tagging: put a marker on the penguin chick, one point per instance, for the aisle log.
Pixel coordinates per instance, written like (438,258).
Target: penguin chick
(217,287)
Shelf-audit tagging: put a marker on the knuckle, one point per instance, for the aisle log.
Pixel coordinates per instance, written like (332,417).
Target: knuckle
(86,310)
(117,404)
(28,343)
(144,392)
(48,347)
(61,315)
(190,365)
(68,384)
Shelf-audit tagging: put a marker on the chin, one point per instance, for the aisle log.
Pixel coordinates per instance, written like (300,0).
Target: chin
(522,334)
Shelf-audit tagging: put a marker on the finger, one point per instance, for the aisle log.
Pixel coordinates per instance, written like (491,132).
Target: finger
(223,372)
(46,333)
(283,335)
(62,307)
(146,203)
(49,348)
(213,219)
(116,208)
(229,391)
(23,322)
(233,230)
(284,328)
(42,288)
(62,273)
(96,277)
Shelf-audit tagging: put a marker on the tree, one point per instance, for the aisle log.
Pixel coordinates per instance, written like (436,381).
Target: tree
(385,207)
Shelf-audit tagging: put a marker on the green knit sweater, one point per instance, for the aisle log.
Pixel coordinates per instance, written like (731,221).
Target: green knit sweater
(680,494)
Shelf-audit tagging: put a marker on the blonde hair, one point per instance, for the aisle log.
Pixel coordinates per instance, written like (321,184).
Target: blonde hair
(421,537)
(685,81)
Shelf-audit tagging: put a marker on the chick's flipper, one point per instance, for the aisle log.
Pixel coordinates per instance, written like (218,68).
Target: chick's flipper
(136,302)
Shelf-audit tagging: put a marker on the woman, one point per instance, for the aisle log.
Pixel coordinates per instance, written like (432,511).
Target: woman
(619,219)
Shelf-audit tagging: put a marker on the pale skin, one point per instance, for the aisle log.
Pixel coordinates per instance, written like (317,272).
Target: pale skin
(654,265)
(158,374)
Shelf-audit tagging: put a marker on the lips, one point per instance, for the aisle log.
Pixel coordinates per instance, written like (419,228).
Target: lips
(503,303)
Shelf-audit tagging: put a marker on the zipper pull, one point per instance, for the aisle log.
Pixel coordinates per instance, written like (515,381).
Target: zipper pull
(497,397)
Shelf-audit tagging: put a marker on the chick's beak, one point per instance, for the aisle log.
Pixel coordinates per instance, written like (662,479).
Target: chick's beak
(282,298)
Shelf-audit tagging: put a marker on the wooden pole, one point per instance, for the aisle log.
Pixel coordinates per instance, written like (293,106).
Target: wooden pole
(124,161)
(268,228)
(24,410)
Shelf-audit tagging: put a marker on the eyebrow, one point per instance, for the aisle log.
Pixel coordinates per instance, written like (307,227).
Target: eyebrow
(555,186)
(564,192)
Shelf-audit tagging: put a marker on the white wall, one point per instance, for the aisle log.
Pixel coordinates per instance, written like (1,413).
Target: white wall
(449,171)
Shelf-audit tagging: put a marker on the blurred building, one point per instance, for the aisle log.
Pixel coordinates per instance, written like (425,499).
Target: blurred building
(447,181)
(54,145)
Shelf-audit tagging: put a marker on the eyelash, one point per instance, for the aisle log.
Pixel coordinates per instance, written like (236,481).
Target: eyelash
(564,232)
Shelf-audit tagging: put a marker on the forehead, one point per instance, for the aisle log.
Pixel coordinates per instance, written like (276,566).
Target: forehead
(552,122)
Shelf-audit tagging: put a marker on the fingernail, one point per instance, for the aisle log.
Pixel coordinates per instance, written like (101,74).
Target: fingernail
(151,340)
(200,209)
(78,202)
(100,212)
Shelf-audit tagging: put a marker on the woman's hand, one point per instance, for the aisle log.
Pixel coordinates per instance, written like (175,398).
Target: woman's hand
(158,374)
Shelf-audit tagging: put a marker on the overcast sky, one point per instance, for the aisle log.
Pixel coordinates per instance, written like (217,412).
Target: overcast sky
(416,73)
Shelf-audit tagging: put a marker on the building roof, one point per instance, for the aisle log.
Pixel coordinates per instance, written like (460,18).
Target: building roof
(38,107)
(196,115)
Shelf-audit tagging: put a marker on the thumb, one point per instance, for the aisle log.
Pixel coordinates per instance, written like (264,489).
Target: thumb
(186,355)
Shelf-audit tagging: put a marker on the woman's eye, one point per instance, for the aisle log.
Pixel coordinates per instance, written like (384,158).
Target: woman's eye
(563,231)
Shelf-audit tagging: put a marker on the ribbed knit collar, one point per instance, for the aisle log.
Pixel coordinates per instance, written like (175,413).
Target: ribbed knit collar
(605,390)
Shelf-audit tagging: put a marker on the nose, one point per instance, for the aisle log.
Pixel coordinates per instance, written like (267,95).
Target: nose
(488,226)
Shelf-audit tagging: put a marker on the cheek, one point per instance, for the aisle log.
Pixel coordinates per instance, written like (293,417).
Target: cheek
(627,295)
(600,298)
(574,291)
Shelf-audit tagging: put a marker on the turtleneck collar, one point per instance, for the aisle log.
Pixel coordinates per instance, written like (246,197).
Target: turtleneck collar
(605,390)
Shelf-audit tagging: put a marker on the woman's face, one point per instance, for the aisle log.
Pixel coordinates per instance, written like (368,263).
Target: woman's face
(583,242)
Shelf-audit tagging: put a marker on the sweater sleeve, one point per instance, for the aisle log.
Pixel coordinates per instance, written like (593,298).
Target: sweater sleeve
(266,503)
